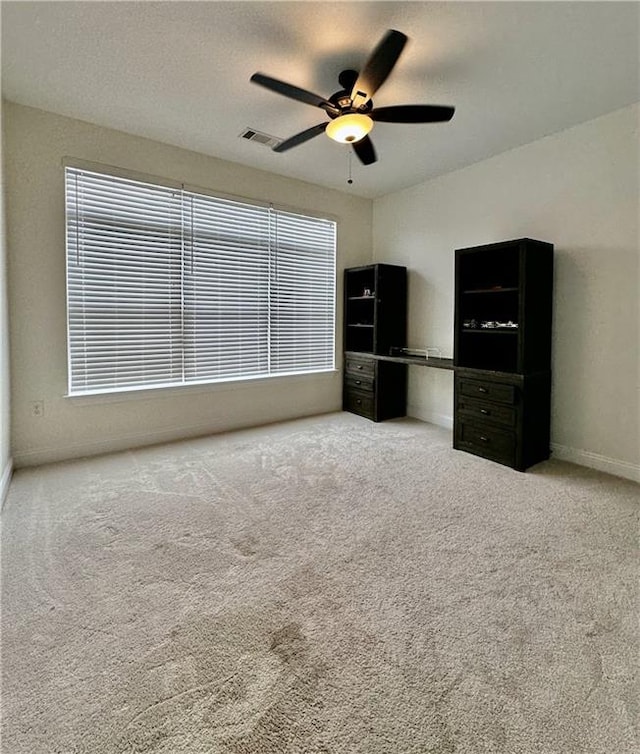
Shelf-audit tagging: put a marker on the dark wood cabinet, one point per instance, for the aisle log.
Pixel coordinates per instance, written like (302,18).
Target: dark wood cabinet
(375,320)
(503,416)
(502,348)
(502,351)
(374,388)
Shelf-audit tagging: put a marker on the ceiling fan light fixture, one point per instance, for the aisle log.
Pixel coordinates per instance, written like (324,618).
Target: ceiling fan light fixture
(349,128)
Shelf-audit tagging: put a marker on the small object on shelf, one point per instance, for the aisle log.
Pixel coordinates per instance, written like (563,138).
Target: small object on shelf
(425,353)
(417,352)
(494,325)
(366,292)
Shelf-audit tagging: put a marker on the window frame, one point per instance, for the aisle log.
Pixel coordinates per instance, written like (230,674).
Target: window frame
(218,383)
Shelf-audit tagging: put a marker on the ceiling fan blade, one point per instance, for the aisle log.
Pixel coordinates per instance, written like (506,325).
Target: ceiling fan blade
(365,151)
(294,141)
(294,92)
(412,113)
(378,66)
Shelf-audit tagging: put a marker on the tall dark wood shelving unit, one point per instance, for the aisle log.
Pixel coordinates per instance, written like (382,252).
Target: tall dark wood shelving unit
(375,320)
(502,351)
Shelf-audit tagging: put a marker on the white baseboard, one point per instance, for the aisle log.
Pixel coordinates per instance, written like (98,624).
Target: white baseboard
(5,480)
(126,442)
(586,458)
(440,420)
(117,444)
(596,461)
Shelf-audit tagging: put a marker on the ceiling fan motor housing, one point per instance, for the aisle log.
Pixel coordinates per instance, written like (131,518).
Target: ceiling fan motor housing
(342,99)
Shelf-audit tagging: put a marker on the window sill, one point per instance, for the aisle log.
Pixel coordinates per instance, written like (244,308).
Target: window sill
(165,392)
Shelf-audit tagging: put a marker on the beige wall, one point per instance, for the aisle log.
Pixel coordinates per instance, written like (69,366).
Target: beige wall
(579,190)
(36,143)
(5,450)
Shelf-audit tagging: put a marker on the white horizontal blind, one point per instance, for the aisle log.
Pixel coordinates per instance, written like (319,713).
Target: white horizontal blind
(123,283)
(226,289)
(302,293)
(170,287)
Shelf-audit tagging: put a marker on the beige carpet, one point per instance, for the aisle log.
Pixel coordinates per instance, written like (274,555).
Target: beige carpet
(325,585)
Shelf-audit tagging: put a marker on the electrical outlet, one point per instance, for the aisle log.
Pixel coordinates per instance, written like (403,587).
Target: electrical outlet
(37,408)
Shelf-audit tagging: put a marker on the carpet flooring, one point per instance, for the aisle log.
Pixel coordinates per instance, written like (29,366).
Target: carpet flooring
(321,586)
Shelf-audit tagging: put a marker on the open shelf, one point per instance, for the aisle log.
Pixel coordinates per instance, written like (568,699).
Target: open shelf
(489,351)
(375,308)
(495,289)
(504,283)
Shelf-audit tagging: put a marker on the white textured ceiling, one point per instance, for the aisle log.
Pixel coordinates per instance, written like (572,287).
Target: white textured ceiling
(178,72)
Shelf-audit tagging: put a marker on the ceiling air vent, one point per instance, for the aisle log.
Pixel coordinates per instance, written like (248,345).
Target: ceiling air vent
(260,138)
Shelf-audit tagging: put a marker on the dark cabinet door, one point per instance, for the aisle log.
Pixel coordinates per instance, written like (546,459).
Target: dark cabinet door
(391,308)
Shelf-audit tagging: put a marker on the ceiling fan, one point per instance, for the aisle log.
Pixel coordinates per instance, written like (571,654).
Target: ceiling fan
(351,110)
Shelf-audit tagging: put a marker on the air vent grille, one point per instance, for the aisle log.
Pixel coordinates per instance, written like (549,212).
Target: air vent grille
(260,138)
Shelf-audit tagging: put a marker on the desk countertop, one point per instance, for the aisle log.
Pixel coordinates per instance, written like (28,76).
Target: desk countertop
(433,361)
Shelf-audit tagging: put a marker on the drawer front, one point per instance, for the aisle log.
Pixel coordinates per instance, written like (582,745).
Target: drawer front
(359,382)
(493,391)
(360,365)
(485,411)
(359,403)
(487,441)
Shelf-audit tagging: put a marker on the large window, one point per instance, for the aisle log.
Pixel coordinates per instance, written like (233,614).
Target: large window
(167,286)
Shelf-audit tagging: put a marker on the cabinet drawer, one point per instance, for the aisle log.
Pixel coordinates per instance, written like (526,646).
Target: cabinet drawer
(485,411)
(487,441)
(359,382)
(359,403)
(493,391)
(360,365)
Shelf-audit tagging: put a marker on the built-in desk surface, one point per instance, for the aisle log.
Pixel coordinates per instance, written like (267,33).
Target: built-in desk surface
(433,361)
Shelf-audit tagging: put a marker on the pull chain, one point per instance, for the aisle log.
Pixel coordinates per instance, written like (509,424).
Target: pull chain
(350,179)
